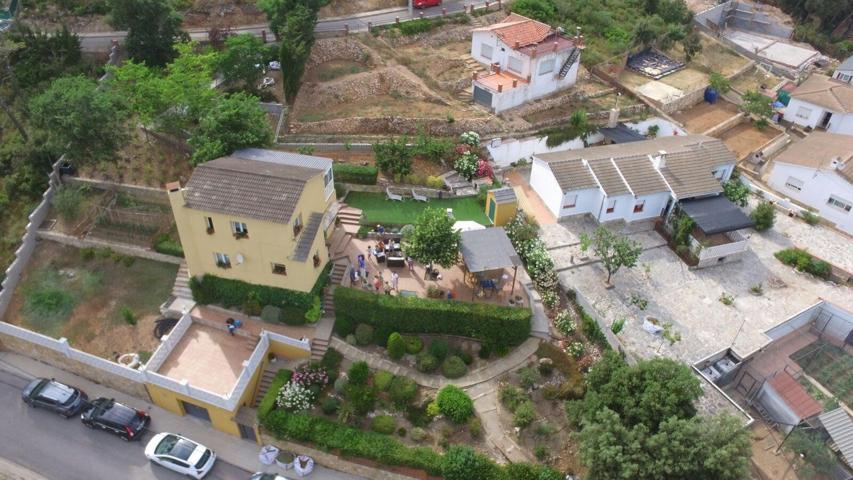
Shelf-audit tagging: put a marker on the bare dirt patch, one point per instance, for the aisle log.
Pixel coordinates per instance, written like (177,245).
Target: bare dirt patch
(339,8)
(770,464)
(745,138)
(101,287)
(756,80)
(421,167)
(704,115)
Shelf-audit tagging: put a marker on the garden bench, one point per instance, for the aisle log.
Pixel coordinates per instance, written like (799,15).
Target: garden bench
(420,198)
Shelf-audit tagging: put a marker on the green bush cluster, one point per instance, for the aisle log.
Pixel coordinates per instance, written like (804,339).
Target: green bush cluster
(501,326)
(358,373)
(402,391)
(455,404)
(268,402)
(364,334)
(454,367)
(426,363)
(211,289)
(804,262)
(413,344)
(384,424)
(396,346)
(359,174)
(165,245)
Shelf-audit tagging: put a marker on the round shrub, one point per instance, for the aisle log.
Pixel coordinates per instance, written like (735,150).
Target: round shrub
(418,434)
(413,344)
(330,406)
(381,335)
(351,339)
(485,351)
(465,356)
(384,424)
(402,391)
(341,384)
(453,367)
(382,380)
(402,432)
(455,404)
(426,363)
(358,373)
(475,427)
(364,334)
(396,346)
(439,349)
(362,398)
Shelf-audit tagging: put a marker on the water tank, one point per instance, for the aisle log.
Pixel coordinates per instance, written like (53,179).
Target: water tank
(711,95)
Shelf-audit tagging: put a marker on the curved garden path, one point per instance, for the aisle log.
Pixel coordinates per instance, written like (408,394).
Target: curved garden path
(481,384)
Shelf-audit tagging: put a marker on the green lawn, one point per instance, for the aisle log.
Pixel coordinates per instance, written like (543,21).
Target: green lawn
(377,209)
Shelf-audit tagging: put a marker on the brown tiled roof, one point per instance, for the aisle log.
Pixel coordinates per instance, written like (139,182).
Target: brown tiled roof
(687,168)
(572,175)
(794,395)
(517,28)
(260,189)
(608,177)
(825,92)
(818,150)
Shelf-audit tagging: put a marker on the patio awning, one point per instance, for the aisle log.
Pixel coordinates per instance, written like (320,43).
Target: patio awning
(621,133)
(839,426)
(467,225)
(716,214)
(488,249)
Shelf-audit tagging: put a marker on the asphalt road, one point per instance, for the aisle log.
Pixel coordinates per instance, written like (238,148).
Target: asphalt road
(63,449)
(101,41)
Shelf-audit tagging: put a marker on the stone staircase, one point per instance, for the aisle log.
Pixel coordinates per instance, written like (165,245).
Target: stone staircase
(264,383)
(350,218)
(478,21)
(181,289)
(318,348)
(457,184)
(338,242)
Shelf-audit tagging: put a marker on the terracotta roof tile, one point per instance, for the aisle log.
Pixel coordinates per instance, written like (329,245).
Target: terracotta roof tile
(516,28)
(795,395)
(825,92)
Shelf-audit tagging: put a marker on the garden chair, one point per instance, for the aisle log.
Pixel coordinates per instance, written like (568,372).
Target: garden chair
(393,196)
(420,198)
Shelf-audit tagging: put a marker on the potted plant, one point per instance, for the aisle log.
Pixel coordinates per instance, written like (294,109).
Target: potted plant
(271,357)
(285,460)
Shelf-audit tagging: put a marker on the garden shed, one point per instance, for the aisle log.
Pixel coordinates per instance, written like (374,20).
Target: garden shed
(487,255)
(501,205)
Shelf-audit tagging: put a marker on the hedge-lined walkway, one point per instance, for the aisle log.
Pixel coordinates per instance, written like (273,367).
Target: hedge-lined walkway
(485,396)
(516,359)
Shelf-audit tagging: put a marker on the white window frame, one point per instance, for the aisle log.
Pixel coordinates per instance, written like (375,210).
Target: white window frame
(328,177)
(547,66)
(611,207)
(794,183)
(486,48)
(570,201)
(297,225)
(843,77)
(839,204)
(222,259)
(804,112)
(509,64)
(239,228)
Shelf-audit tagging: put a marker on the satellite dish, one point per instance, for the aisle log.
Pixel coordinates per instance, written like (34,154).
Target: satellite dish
(240,259)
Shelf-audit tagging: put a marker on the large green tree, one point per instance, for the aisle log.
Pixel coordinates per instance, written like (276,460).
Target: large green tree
(434,241)
(614,251)
(153,27)
(242,61)
(715,448)
(78,118)
(297,38)
(236,121)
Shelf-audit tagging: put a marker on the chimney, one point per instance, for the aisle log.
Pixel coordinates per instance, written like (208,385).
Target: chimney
(517,45)
(659,160)
(474,76)
(514,83)
(500,87)
(613,118)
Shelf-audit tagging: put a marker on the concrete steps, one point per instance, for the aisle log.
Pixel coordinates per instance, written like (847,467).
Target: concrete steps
(339,270)
(329,302)
(181,288)
(340,242)
(349,216)
(251,343)
(264,384)
(318,348)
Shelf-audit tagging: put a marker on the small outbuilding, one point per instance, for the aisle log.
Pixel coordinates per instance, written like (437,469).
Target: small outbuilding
(487,254)
(501,205)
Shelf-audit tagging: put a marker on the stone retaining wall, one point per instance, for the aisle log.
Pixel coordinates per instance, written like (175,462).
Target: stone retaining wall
(148,193)
(397,126)
(122,248)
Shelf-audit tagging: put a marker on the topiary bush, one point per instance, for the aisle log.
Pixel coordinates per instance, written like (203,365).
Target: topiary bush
(455,404)
(439,348)
(402,391)
(271,314)
(454,367)
(384,424)
(396,346)
(364,334)
(358,373)
(414,345)
(382,380)
(426,363)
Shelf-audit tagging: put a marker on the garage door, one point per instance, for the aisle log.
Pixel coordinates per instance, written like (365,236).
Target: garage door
(483,96)
(196,411)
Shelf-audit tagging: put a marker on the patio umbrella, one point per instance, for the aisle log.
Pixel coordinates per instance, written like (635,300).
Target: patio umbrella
(268,454)
(467,226)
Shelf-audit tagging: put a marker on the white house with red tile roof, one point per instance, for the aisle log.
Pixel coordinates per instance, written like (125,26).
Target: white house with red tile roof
(823,103)
(527,60)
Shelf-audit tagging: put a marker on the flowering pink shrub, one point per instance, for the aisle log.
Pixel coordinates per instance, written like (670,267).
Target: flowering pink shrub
(308,377)
(484,169)
(462,148)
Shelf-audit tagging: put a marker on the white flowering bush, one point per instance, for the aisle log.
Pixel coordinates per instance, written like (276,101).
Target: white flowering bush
(576,349)
(466,165)
(293,397)
(537,260)
(470,138)
(564,323)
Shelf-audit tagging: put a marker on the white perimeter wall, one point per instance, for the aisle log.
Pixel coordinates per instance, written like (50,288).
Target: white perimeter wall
(818,186)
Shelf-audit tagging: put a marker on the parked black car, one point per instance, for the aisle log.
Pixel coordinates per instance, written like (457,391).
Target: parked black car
(116,418)
(52,395)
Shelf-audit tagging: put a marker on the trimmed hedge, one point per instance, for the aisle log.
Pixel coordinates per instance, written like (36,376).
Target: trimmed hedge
(501,326)
(346,173)
(329,435)
(804,262)
(267,403)
(229,293)
(165,245)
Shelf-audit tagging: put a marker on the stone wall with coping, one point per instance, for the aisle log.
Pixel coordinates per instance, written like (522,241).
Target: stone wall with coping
(123,248)
(148,193)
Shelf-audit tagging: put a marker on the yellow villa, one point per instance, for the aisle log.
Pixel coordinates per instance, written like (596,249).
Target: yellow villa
(259,216)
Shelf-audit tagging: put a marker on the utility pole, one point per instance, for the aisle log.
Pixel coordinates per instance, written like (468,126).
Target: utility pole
(411,8)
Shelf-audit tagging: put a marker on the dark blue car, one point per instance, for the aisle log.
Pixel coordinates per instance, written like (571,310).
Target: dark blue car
(52,395)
